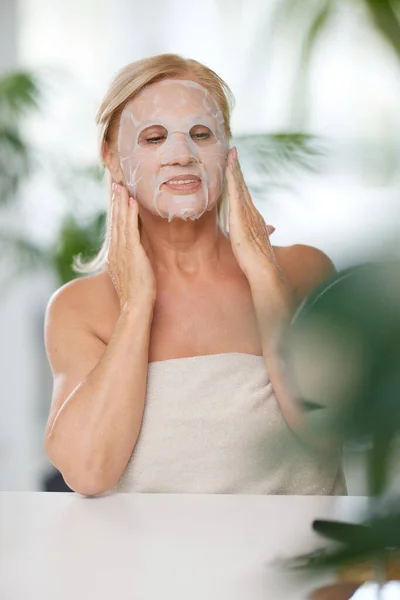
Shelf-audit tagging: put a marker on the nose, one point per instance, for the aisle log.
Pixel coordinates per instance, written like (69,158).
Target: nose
(178,152)
(182,160)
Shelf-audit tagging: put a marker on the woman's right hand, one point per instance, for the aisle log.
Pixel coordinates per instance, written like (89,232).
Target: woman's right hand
(128,266)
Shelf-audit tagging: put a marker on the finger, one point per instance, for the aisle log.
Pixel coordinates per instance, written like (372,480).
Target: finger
(114,221)
(124,199)
(231,159)
(132,228)
(241,182)
(122,215)
(232,184)
(245,202)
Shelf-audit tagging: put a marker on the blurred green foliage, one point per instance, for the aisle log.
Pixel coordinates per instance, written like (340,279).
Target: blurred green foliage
(312,20)
(358,307)
(19,95)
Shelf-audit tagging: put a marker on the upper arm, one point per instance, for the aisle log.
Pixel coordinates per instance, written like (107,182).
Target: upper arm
(72,349)
(311,267)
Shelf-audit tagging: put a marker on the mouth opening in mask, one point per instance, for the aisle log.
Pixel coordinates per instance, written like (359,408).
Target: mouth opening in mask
(185,183)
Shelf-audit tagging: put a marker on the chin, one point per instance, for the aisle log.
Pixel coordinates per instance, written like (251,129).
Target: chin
(185,215)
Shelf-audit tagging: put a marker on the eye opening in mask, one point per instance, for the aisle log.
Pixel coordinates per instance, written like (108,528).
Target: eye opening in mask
(202,135)
(153,136)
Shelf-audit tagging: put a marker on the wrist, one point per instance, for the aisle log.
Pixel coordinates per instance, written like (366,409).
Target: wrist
(139,308)
(273,302)
(266,276)
(274,315)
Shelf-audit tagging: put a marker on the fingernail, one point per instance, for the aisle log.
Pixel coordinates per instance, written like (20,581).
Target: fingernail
(113,186)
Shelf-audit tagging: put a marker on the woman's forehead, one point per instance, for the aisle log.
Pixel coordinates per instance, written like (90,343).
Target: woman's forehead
(172,97)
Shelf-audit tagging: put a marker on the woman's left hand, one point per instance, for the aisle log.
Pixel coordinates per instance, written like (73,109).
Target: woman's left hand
(252,248)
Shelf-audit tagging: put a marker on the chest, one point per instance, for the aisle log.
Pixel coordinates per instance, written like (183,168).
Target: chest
(208,319)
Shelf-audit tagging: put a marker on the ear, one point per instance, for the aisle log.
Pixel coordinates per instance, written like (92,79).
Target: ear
(111,161)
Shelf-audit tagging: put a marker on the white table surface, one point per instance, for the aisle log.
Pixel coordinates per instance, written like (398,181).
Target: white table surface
(152,546)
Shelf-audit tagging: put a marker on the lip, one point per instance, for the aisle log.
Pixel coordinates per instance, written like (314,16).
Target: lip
(183,178)
(183,188)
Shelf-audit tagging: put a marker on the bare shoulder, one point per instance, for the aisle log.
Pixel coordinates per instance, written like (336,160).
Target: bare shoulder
(305,266)
(75,293)
(84,296)
(310,257)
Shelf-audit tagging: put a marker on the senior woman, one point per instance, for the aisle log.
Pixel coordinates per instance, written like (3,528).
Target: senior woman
(165,354)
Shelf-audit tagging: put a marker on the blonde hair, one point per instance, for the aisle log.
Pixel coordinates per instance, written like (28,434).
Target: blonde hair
(127,83)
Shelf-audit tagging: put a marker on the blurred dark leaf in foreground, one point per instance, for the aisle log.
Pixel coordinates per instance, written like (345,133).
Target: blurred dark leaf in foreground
(376,537)
(353,322)
(349,330)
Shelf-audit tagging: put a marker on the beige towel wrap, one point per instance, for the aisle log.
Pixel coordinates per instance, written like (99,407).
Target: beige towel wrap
(212,425)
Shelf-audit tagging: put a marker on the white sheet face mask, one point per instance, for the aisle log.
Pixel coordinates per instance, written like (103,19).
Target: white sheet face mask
(173,129)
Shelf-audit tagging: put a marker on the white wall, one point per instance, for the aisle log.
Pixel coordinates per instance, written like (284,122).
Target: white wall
(8,39)
(15,326)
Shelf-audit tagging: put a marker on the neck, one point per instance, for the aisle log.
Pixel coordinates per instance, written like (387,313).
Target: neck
(186,248)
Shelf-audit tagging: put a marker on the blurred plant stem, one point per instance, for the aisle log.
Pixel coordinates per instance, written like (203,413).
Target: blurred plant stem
(312,19)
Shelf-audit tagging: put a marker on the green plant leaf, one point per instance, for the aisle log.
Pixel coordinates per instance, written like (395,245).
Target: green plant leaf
(316,28)
(268,160)
(385,16)
(347,533)
(378,462)
(366,540)
(76,239)
(281,150)
(313,32)
(15,162)
(19,92)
